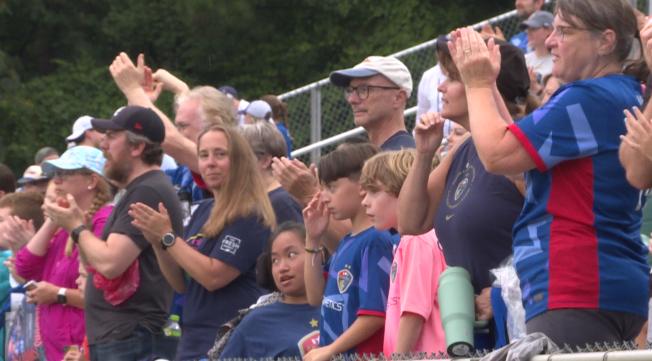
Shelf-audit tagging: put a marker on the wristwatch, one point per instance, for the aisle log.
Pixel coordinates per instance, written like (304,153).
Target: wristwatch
(61,296)
(168,240)
(74,234)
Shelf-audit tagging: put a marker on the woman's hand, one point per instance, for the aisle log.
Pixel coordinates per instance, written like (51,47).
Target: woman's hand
(316,218)
(64,212)
(17,232)
(429,132)
(477,62)
(153,224)
(639,132)
(646,42)
(10,263)
(43,293)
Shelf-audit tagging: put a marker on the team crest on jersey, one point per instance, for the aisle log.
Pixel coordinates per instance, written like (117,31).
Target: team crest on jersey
(344,280)
(308,342)
(394,270)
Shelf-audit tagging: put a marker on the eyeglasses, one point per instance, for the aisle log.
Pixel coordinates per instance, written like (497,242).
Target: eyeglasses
(363,90)
(561,31)
(67,173)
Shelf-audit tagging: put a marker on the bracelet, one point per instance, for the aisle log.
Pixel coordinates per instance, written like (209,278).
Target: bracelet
(315,250)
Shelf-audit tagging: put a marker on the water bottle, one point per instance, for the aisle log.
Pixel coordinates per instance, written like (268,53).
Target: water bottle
(172,328)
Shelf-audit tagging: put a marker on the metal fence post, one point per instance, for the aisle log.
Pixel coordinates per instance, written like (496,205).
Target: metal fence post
(315,121)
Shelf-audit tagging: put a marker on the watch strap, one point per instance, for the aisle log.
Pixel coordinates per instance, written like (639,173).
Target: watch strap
(74,234)
(61,296)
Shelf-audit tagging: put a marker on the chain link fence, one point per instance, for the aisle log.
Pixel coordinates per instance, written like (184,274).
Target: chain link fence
(320,117)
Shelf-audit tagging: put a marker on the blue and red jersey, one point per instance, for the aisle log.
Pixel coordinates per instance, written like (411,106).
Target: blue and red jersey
(577,241)
(357,284)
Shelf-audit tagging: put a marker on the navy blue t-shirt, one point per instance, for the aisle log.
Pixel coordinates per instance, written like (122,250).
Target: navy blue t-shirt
(475,216)
(399,140)
(239,245)
(276,330)
(285,207)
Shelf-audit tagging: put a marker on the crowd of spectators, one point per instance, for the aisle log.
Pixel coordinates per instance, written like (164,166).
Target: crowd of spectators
(196,236)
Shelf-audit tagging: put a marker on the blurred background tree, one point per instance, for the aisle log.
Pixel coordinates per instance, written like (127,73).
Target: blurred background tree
(54,54)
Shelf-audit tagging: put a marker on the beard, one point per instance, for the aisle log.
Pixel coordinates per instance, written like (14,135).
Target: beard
(117,171)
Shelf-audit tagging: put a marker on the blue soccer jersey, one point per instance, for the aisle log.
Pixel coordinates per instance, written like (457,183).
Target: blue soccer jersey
(357,284)
(577,242)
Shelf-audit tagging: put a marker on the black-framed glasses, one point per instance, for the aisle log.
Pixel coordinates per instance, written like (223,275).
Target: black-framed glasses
(363,90)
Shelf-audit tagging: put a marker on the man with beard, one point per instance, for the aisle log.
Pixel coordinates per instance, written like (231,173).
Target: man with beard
(127,298)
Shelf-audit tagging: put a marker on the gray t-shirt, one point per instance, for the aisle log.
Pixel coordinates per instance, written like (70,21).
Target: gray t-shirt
(149,306)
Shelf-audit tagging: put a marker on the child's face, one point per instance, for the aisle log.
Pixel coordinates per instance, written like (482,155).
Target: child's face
(342,197)
(381,206)
(5,213)
(288,254)
(81,279)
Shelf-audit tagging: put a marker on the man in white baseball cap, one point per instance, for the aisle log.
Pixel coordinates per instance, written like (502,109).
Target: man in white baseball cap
(83,133)
(378,90)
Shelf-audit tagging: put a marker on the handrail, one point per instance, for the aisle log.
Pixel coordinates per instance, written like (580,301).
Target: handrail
(339,137)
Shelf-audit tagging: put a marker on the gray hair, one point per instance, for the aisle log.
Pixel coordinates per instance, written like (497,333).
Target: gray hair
(264,138)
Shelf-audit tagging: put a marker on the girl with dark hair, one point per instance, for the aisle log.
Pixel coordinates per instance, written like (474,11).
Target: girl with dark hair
(284,324)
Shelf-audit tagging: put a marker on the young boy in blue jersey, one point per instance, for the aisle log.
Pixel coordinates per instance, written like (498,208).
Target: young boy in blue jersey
(353,292)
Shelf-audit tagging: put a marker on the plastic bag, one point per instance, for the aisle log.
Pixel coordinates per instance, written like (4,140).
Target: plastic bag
(509,283)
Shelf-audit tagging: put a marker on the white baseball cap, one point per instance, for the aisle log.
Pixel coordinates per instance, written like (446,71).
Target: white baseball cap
(81,125)
(392,68)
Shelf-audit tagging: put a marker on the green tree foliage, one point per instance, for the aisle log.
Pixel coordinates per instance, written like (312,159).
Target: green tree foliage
(54,54)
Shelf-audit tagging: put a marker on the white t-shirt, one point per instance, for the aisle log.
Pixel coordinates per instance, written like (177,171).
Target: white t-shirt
(541,66)
(428,97)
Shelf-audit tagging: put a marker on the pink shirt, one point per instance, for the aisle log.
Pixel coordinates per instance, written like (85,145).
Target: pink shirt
(418,262)
(60,325)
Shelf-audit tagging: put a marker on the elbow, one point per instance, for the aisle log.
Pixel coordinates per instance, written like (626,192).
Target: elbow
(108,271)
(493,164)
(212,284)
(413,226)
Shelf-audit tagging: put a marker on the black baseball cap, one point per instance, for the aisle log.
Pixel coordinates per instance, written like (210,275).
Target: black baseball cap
(139,120)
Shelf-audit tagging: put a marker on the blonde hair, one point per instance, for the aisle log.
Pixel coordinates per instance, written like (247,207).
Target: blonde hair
(243,192)
(103,195)
(214,106)
(390,169)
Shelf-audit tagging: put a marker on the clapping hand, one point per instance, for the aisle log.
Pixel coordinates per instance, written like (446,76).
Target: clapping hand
(639,132)
(153,224)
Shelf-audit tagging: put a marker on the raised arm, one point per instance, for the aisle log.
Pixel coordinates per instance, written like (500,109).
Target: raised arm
(129,78)
(316,219)
(423,187)
(479,65)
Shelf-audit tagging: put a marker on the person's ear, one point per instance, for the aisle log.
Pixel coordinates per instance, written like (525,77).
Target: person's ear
(607,42)
(93,180)
(137,149)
